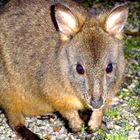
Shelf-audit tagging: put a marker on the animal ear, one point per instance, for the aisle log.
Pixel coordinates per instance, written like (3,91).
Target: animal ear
(116,19)
(67,21)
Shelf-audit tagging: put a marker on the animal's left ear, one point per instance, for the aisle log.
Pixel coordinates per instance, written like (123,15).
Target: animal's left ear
(116,19)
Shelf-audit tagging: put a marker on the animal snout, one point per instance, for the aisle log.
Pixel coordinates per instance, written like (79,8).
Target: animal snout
(96,103)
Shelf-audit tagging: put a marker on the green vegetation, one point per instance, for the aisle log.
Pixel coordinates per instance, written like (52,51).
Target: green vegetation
(83,129)
(116,137)
(132,49)
(132,42)
(125,93)
(102,135)
(113,112)
(133,103)
(136,89)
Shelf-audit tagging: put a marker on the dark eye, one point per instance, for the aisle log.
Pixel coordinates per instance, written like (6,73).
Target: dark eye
(80,69)
(109,68)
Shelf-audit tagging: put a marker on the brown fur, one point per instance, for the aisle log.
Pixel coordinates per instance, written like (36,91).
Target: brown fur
(37,63)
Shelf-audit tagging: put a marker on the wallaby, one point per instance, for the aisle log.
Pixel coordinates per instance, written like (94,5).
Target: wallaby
(54,56)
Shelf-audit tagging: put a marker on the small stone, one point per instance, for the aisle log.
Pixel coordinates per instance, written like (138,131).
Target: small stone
(134,135)
(137,128)
(117,127)
(48,137)
(138,73)
(56,128)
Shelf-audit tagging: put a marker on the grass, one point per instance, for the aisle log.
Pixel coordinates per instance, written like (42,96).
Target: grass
(83,129)
(116,137)
(125,124)
(113,112)
(121,135)
(132,43)
(125,93)
(102,135)
(133,102)
(136,89)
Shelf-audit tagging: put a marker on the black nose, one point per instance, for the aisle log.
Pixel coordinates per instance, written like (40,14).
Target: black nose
(96,103)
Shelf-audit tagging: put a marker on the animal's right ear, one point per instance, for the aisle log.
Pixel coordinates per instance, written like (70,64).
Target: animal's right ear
(116,19)
(68,22)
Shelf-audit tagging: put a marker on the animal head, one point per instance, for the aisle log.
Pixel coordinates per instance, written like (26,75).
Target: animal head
(91,57)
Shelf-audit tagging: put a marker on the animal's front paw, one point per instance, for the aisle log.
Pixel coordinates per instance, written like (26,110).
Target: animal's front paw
(75,124)
(95,121)
(94,125)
